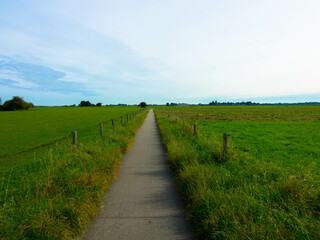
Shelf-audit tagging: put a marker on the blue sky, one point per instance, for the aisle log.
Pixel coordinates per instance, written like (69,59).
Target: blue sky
(64,51)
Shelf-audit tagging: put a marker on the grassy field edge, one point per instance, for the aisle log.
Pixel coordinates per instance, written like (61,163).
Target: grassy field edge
(235,196)
(56,196)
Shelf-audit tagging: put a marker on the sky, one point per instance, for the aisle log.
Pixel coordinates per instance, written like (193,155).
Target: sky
(127,51)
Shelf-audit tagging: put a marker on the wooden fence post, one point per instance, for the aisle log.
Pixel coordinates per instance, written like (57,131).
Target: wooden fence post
(74,141)
(121,121)
(195,130)
(225,142)
(112,124)
(101,131)
(127,118)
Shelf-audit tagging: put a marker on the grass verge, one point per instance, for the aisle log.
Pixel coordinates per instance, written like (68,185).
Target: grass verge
(239,195)
(58,192)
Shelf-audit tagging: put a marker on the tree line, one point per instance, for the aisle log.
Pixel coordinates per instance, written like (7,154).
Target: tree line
(89,104)
(16,103)
(99,104)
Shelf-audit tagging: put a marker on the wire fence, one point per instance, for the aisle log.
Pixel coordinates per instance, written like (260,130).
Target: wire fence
(124,119)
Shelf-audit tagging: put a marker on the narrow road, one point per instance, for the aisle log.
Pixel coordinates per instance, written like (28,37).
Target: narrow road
(142,202)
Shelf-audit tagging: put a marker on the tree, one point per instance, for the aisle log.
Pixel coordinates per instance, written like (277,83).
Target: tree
(143,104)
(16,103)
(99,104)
(213,103)
(85,104)
(167,104)
(31,105)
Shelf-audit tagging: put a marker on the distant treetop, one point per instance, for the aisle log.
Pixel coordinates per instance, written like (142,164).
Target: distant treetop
(143,104)
(232,103)
(85,104)
(16,103)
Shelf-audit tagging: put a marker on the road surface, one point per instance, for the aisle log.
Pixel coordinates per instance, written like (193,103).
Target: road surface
(142,202)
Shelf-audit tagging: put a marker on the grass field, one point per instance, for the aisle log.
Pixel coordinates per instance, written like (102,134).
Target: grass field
(21,130)
(266,186)
(52,192)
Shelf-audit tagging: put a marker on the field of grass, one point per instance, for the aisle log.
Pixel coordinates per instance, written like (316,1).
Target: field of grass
(267,184)
(21,130)
(52,192)
(247,113)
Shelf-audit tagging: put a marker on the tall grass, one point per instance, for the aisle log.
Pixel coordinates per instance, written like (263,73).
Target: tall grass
(236,195)
(57,194)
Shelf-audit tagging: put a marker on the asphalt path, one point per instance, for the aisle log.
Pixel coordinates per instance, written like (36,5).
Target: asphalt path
(142,202)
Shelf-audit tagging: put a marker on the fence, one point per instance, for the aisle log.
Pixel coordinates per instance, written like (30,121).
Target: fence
(74,135)
(195,133)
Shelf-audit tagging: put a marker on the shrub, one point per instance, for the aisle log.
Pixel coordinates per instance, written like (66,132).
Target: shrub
(86,104)
(31,105)
(16,103)
(143,104)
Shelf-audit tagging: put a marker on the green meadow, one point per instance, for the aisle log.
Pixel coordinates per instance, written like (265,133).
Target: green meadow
(265,186)
(51,192)
(22,130)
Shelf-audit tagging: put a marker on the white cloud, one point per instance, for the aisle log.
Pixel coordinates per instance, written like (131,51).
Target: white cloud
(18,80)
(171,49)
(73,78)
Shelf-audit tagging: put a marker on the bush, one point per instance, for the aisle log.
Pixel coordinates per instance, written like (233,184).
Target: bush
(86,104)
(16,103)
(143,104)
(31,105)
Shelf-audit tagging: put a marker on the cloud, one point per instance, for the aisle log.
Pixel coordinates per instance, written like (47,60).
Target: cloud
(58,54)
(14,79)
(109,50)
